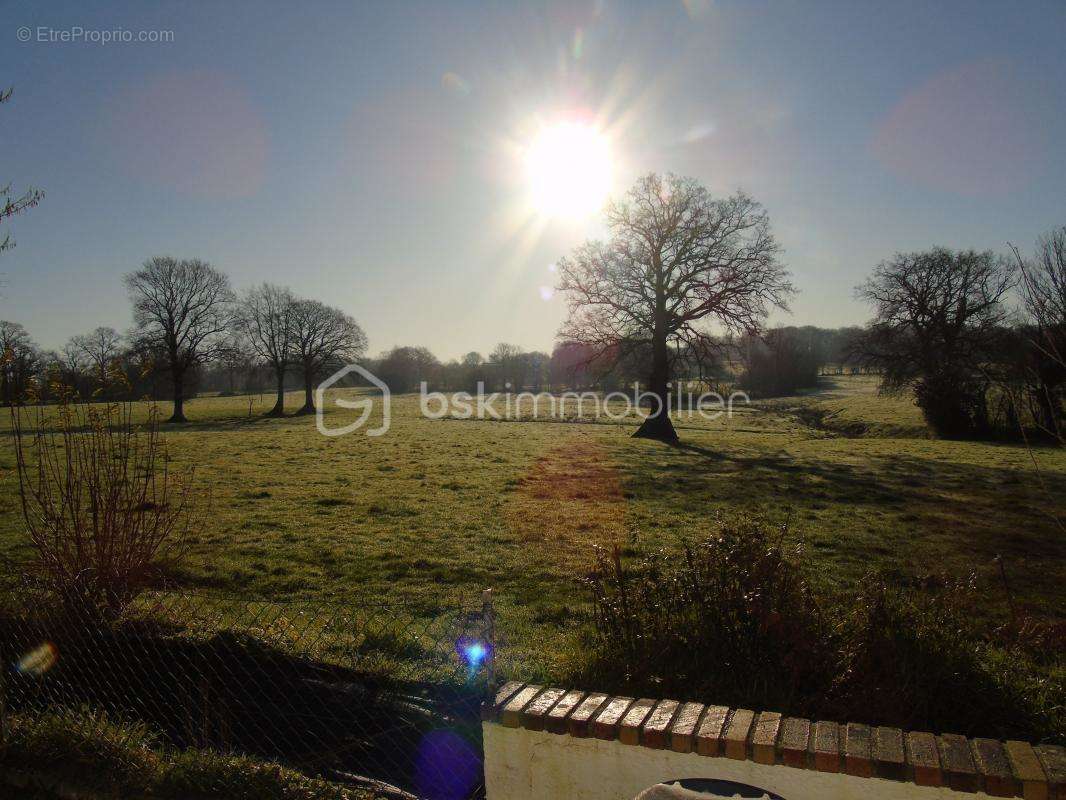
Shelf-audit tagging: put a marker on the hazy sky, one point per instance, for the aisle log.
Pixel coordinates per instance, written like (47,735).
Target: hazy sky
(366,154)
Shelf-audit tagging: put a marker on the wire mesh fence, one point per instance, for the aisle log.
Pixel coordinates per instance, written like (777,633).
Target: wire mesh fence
(381,698)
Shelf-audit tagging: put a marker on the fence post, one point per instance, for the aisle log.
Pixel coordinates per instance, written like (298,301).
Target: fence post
(488,633)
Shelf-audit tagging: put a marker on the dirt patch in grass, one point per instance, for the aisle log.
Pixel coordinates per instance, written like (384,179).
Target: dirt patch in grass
(570,496)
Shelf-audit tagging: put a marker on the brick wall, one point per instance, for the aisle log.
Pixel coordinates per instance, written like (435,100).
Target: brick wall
(545,743)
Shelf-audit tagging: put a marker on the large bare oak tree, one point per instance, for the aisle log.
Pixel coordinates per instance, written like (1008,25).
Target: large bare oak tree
(678,260)
(182,310)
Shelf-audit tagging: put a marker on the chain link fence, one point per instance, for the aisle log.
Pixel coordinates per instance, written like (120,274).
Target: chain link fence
(379,699)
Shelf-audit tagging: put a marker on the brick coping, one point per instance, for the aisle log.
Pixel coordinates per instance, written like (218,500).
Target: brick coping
(1000,769)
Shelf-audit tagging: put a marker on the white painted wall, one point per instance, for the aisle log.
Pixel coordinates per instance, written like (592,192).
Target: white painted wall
(533,765)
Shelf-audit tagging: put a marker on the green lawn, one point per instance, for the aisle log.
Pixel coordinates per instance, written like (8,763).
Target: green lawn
(438,508)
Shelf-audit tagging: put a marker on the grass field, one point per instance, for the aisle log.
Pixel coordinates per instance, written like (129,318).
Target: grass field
(438,508)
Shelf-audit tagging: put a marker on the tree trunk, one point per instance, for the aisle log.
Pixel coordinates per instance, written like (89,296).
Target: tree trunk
(657,425)
(309,394)
(279,405)
(179,397)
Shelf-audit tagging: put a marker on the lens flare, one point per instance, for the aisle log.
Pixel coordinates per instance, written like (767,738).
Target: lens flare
(455,83)
(446,767)
(578,48)
(39,660)
(474,653)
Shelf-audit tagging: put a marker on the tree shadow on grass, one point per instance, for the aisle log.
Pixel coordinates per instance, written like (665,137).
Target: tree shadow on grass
(888,479)
(226,424)
(894,512)
(788,477)
(364,710)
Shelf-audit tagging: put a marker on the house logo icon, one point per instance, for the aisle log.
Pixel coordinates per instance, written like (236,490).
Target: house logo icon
(366,405)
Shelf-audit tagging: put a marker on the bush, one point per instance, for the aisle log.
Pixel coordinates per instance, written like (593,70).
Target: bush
(730,618)
(779,365)
(102,509)
(733,621)
(954,406)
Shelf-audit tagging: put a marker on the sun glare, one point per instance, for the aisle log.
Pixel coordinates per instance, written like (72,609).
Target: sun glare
(568,166)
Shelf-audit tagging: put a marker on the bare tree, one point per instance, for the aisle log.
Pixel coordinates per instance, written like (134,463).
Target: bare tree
(100,347)
(1043,287)
(70,367)
(182,310)
(677,260)
(12,205)
(265,318)
(537,369)
(472,370)
(322,337)
(937,323)
(19,361)
(506,360)
(237,360)
(403,368)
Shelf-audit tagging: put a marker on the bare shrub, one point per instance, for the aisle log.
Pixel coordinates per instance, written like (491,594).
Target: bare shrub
(103,511)
(732,620)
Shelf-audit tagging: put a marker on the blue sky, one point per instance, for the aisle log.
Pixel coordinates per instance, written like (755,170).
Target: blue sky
(364,153)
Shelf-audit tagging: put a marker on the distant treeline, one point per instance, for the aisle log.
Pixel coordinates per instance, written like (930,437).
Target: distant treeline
(107,365)
(778,362)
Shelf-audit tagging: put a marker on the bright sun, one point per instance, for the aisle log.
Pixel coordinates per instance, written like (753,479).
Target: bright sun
(568,167)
